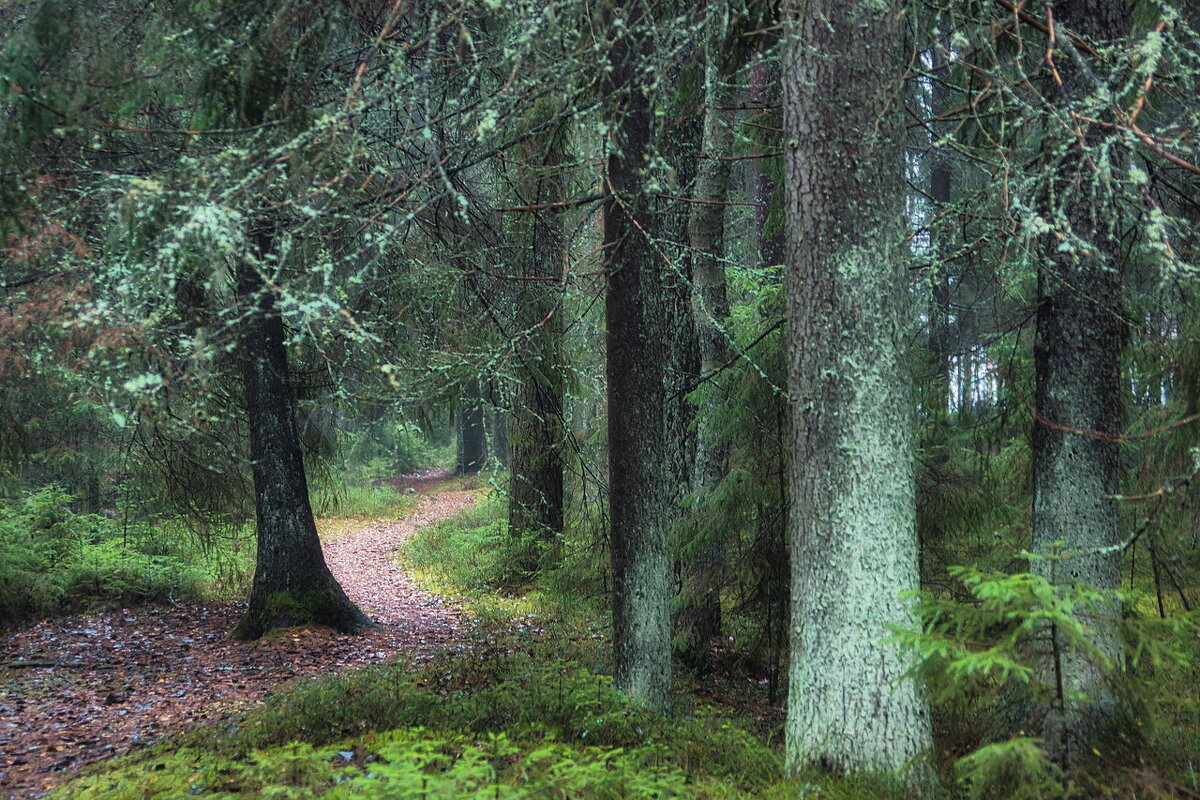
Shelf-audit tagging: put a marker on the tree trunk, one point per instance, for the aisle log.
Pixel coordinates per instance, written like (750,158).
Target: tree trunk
(764,93)
(854,546)
(472,437)
(1077,353)
(501,448)
(646,311)
(537,427)
(698,614)
(942,240)
(292,584)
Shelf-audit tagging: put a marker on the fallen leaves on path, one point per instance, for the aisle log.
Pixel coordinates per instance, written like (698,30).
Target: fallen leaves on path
(81,689)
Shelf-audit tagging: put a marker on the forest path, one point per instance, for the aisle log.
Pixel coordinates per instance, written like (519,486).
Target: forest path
(81,689)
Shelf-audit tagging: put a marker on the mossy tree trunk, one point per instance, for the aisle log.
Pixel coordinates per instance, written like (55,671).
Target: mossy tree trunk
(1077,355)
(853,537)
(537,430)
(292,584)
(646,314)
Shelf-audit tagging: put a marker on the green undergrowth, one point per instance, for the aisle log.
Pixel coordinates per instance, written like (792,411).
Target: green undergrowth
(503,718)
(979,661)
(363,502)
(474,553)
(470,551)
(519,710)
(55,560)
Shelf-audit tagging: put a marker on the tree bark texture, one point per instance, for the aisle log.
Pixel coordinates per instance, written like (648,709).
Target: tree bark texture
(537,426)
(646,312)
(698,607)
(292,584)
(853,536)
(1077,352)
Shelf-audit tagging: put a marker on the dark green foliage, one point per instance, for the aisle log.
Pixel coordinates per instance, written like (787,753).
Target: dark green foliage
(387,448)
(748,507)
(979,658)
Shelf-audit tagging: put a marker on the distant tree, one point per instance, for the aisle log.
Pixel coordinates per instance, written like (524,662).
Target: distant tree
(698,614)
(853,543)
(537,424)
(472,437)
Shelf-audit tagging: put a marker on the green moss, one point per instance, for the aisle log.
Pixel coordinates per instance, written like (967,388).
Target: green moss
(324,605)
(410,762)
(504,725)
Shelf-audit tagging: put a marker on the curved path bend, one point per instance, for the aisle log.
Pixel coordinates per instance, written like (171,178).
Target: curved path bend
(82,689)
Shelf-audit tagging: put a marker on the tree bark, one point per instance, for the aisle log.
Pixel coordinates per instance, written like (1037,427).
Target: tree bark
(853,543)
(292,584)
(537,427)
(646,311)
(1077,353)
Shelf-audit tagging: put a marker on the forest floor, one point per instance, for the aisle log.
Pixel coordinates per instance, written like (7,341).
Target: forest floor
(81,689)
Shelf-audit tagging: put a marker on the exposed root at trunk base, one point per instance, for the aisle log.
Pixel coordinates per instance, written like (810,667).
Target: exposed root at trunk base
(327,606)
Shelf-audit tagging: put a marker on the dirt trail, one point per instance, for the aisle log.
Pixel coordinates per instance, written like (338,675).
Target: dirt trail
(81,689)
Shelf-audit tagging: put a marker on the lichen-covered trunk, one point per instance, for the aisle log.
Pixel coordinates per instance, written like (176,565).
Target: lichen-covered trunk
(1077,353)
(698,607)
(853,544)
(537,429)
(646,311)
(292,584)
(469,423)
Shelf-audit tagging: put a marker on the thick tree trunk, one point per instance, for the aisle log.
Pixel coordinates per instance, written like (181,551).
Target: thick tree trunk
(472,437)
(1077,352)
(854,547)
(698,614)
(292,584)
(646,311)
(537,427)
